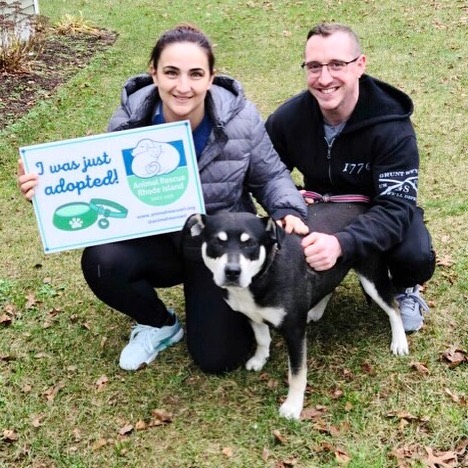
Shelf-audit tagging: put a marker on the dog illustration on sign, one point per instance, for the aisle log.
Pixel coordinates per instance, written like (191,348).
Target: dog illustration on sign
(152,158)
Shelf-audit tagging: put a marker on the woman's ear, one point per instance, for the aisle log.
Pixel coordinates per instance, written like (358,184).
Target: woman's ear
(154,75)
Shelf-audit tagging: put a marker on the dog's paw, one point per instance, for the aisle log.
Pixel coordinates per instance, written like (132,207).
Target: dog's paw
(256,363)
(400,347)
(290,411)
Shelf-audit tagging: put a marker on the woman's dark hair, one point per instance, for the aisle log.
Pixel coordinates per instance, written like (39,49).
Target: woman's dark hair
(183,33)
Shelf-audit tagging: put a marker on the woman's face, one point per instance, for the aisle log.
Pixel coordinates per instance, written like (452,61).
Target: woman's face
(183,78)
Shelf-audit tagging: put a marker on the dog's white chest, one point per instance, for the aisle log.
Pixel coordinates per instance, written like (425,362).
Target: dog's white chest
(241,300)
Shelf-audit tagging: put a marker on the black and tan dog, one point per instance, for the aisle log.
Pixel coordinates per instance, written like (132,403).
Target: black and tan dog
(265,276)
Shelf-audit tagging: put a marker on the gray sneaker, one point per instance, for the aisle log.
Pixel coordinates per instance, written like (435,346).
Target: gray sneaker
(412,306)
(147,342)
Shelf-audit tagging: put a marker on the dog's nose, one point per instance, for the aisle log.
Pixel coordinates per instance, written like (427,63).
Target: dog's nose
(232,271)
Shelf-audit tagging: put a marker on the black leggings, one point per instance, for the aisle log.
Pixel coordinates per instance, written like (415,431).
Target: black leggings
(125,274)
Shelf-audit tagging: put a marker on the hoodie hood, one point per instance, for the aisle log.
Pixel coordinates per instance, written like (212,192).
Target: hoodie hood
(378,102)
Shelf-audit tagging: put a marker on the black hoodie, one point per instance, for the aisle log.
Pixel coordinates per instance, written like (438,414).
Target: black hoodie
(375,155)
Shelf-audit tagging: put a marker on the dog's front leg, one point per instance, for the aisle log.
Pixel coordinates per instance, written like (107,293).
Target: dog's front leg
(297,373)
(262,353)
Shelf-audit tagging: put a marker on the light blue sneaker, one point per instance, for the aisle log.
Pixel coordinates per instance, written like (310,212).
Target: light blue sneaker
(412,306)
(147,342)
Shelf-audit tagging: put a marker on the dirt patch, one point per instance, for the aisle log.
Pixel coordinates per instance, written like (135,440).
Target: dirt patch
(57,61)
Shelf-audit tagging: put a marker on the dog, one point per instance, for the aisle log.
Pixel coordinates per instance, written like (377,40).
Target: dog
(263,274)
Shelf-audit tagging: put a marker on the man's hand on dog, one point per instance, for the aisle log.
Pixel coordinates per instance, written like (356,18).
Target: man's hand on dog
(291,223)
(321,250)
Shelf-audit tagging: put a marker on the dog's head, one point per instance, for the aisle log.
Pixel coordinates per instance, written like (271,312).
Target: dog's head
(235,246)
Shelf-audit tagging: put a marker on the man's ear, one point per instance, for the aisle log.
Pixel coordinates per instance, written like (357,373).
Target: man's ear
(195,224)
(274,232)
(361,64)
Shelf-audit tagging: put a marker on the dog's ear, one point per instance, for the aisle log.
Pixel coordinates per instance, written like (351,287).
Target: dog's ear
(274,232)
(195,224)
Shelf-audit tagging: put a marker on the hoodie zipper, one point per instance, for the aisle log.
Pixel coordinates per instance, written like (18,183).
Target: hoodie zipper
(329,148)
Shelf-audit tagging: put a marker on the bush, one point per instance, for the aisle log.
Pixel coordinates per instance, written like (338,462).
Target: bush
(21,37)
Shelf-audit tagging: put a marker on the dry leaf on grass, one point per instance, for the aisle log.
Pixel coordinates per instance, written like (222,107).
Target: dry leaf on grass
(315,412)
(436,459)
(126,430)
(455,356)
(5,320)
(10,436)
(342,457)
(461,399)
(445,261)
(52,392)
(228,452)
(279,437)
(420,368)
(101,383)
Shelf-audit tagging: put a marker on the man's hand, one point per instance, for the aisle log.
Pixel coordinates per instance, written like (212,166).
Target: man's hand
(321,250)
(291,223)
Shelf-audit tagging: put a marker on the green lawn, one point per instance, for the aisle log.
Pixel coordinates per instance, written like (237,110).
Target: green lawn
(64,402)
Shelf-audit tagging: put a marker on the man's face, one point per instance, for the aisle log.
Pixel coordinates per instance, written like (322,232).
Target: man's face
(336,91)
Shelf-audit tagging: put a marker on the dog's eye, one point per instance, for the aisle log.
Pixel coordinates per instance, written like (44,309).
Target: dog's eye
(250,243)
(217,241)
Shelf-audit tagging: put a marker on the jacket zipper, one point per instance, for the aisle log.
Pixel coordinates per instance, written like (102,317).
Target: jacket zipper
(329,148)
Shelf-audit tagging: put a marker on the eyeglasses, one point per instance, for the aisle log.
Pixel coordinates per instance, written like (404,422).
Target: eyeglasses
(333,66)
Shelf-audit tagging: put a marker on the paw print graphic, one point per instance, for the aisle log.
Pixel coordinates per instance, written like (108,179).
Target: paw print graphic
(76,223)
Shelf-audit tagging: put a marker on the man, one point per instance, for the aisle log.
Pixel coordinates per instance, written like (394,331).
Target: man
(351,134)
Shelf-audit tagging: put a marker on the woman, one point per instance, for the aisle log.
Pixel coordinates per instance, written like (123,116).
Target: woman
(235,158)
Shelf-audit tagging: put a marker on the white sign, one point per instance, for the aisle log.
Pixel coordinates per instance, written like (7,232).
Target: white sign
(115,186)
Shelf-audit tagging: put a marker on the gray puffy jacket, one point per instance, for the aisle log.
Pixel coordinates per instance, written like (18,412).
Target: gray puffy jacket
(238,159)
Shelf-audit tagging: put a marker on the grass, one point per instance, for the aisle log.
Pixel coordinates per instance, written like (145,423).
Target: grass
(63,399)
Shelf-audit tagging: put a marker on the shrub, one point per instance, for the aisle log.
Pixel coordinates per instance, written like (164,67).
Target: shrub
(21,37)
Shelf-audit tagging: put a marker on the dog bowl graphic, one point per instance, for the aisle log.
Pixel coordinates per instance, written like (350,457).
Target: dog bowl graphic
(80,215)
(74,216)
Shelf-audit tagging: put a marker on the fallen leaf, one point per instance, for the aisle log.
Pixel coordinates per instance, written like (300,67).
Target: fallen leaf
(162,415)
(367,368)
(141,425)
(342,457)
(101,382)
(420,367)
(440,459)
(30,301)
(228,452)
(445,261)
(52,392)
(5,320)
(265,454)
(10,436)
(455,356)
(455,398)
(37,420)
(313,413)
(125,430)
(337,394)
(99,444)
(290,462)
(278,437)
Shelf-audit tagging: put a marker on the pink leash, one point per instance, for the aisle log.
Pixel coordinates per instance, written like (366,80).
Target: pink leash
(351,198)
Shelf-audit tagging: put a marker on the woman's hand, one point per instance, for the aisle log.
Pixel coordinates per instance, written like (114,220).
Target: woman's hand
(26,182)
(291,223)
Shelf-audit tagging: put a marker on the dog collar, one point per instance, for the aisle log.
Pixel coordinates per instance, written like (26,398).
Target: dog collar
(268,263)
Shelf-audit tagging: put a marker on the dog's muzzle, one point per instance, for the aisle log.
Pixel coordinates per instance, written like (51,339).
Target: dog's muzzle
(232,272)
